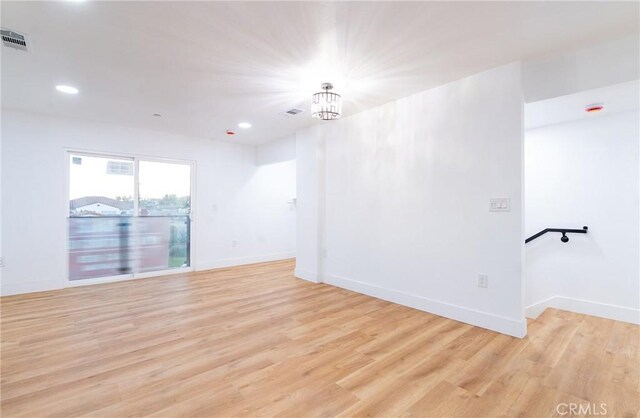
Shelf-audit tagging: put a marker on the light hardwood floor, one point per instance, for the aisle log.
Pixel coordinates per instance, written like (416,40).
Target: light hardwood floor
(255,341)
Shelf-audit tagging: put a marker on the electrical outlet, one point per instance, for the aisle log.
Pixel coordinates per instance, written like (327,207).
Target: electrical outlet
(1,261)
(483,280)
(324,253)
(234,243)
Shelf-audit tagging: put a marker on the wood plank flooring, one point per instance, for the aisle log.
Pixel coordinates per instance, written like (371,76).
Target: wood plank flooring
(254,341)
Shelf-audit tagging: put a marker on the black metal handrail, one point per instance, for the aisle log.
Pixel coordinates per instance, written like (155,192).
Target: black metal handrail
(563,231)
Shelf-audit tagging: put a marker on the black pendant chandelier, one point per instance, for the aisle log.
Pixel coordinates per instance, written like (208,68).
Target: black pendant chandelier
(326,105)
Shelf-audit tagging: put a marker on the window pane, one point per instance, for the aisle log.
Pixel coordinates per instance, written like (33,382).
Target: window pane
(165,189)
(163,242)
(101,193)
(164,223)
(100,246)
(100,186)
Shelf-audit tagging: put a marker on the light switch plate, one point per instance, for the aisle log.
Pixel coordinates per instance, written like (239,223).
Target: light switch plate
(500,204)
(483,281)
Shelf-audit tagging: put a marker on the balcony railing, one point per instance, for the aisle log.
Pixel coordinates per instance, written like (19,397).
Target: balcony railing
(101,246)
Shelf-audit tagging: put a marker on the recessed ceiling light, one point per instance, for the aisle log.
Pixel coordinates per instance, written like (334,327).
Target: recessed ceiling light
(67,89)
(244,125)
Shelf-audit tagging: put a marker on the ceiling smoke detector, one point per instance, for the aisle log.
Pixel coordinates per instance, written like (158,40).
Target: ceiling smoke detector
(14,40)
(594,107)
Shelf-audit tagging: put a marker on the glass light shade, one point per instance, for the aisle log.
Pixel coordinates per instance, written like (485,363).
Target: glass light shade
(326,105)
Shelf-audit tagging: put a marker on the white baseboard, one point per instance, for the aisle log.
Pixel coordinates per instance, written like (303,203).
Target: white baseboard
(306,275)
(513,327)
(535,310)
(9,289)
(231,262)
(602,310)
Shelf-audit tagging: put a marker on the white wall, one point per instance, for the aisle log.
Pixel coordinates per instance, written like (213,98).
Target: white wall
(280,150)
(310,193)
(402,196)
(1,199)
(236,199)
(584,173)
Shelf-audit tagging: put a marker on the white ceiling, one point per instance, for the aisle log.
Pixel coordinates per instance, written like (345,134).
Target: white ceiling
(205,66)
(617,98)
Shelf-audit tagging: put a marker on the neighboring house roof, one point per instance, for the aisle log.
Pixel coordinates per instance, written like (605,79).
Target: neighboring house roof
(90,200)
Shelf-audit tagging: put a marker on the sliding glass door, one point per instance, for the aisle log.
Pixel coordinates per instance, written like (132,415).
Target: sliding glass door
(127,216)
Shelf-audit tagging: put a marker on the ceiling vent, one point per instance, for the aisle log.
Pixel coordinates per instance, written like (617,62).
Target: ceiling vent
(292,112)
(14,40)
